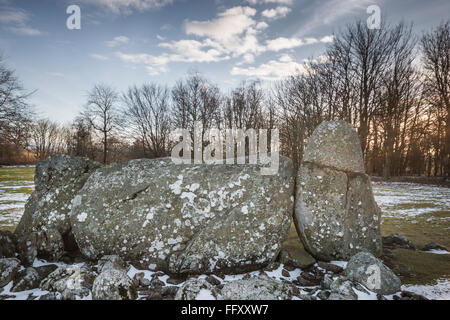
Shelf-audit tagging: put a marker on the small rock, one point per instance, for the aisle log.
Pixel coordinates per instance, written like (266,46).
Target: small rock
(114,284)
(323,295)
(26,280)
(307,297)
(257,288)
(154,295)
(44,271)
(369,271)
(326,282)
(285,273)
(156,283)
(412,296)
(294,258)
(196,289)
(8,270)
(295,291)
(434,246)
(51,296)
(308,279)
(175,281)
(342,289)
(272,266)
(213,280)
(330,267)
(169,292)
(72,282)
(304,282)
(140,280)
(396,240)
(380,297)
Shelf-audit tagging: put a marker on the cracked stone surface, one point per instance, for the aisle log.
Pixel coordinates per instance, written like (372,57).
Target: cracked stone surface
(185,219)
(336,215)
(45,222)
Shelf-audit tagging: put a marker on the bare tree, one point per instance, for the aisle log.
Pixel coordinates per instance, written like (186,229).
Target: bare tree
(48,138)
(102,113)
(436,61)
(244,107)
(147,115)
(15,113)
(80,138)
(195,99)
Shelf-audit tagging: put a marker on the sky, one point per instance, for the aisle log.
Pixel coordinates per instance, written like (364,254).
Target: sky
(128,42)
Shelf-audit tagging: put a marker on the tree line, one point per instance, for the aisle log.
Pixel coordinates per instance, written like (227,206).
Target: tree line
(391,85)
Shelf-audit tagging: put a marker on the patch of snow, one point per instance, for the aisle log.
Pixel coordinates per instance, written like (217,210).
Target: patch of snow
(438,291)
(205,294)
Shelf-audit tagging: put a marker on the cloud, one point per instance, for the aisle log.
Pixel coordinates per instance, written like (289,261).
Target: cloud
(26,31)
(273,70)
(227,25)
(276,13)
(161,38)
(117,41)
(15,20)
(194,51)
(234,31)
(327,12)
(327,39)
(257,2)
(282,43)
(16,16)
(98,57)
(56,74)
(127,6)
(261,25)
(181,51)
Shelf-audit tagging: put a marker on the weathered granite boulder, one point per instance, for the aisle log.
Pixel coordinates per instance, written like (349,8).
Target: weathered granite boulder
(196,289)
(72,282)
(369,271)
(261,287)
(8,270)
(7,244)
(336,214)
(44,229)
(114,284)
(185,218)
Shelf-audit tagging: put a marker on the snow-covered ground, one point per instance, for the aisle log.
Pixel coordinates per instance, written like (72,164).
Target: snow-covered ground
(16,184)
(402,199)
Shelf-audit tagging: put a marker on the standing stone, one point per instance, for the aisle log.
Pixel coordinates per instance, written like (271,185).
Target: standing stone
(336,215)
(185,219)
(44,229)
